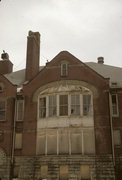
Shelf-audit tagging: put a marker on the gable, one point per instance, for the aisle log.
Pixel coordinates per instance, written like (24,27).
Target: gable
(8,89)
(64,56)
(77,70)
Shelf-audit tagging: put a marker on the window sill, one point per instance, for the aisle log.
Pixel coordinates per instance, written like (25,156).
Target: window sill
(3,120)
(115,116)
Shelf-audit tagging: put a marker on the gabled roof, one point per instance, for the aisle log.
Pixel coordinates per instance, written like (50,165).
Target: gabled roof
(112,72)
(18,77)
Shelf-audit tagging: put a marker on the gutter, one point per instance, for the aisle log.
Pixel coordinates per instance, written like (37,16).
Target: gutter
(111,124)
(13,140)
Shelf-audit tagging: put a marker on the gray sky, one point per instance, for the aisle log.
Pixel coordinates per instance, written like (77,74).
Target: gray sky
(85,28)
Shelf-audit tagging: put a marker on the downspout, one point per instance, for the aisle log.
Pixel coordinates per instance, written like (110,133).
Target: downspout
(111,124)
(13,139)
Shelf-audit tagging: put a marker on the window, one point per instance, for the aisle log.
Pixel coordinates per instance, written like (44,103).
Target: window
(86,104)
(117,137)
(2,110)
(65,141)
(85,172)
(75,104)
(63,105)
(1,88)
(64,69)
(114,104)
(63,172)
(16,172)
(52,106)
(42,107)
(18,141)
(44,171)
(20,110)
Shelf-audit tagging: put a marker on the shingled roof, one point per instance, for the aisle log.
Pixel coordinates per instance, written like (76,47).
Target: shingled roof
(107,71)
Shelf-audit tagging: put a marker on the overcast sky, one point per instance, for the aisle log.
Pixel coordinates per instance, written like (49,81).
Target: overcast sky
(86,28)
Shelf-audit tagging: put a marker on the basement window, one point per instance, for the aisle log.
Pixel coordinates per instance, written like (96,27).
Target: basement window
(85,172)
(44,172)
(63,172)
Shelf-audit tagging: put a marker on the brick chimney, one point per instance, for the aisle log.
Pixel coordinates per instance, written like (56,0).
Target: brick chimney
(100,60)
(6,65)
(33,54)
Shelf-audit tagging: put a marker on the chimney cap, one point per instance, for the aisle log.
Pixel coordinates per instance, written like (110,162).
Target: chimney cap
(100,60)
(4,56)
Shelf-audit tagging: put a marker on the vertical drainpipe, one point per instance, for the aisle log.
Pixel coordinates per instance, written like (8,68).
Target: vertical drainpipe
(13,140)
(111,124)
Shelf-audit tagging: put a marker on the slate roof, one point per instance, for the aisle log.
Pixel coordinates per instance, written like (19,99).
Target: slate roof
(18,77)
(112,72)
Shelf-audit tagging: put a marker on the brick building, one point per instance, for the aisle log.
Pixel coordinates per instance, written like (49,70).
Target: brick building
(60,121)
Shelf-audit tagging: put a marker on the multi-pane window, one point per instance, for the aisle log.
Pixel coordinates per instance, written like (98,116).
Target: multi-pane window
(52,105)
(63,110)
(65,105)
(2,110)
(42,107)
(75,104)
(20,110)
(64,69)
(114,104)
(86,104)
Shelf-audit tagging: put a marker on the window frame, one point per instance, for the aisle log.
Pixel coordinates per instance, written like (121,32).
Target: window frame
(89,110)
(69,105)
(45,107)
(64,105)
(64,69)
(52,105)
(116,105)
(3,110)
(75,104)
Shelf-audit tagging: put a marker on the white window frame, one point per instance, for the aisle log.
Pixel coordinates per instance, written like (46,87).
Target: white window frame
(20,101)
(46,115)
(90,105)
(52,105)
(75,104)
(112,105)
(64,69)
(69,105)
(64,105)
